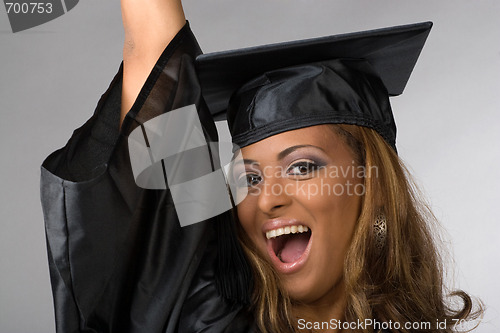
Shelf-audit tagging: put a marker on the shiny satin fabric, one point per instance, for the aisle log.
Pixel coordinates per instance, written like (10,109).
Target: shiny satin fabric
(339,79)
(339,91)
(119,260)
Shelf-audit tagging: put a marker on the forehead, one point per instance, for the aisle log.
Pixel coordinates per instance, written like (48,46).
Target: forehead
(323,137)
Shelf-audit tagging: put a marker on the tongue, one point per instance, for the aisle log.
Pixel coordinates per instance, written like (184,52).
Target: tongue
(294,247)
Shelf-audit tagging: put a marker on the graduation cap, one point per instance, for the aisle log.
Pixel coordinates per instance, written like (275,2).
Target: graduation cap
(266,90)
(348,78)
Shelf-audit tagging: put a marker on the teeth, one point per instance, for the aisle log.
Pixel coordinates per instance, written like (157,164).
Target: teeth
(286,230)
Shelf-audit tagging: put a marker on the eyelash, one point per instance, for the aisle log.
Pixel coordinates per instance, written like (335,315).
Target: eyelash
(252,179)
(310,166)
(245,177)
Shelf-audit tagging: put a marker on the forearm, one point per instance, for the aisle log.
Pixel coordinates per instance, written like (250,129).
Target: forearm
(149,26)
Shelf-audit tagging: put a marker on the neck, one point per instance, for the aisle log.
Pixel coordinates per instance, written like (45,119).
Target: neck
(328,311)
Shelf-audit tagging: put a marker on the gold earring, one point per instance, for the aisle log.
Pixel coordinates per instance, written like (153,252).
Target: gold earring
(380,231)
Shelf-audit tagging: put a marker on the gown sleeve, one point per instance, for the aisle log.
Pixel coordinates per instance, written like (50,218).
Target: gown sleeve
(118,259)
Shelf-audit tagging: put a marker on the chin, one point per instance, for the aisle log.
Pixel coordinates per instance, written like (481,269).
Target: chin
(300,291)
(313,288)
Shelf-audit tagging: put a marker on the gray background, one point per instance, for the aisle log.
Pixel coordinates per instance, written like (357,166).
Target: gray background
(51,77)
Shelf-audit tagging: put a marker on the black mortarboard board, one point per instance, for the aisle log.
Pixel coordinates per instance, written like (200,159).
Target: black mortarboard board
(346,78)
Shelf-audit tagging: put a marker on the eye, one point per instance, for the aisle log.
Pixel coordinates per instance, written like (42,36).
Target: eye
(303,168)
(249,180)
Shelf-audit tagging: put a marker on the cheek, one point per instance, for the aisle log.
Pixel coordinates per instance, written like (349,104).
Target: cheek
(246,216)
(343,213)
(335,199)
(336,215)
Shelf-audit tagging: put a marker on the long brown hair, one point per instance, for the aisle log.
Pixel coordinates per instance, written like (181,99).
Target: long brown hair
(400,281)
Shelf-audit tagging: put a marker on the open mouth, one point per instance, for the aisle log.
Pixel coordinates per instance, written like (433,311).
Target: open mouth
(289,243)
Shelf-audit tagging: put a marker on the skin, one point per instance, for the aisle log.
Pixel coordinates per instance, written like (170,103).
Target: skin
(149,27)
(317,287)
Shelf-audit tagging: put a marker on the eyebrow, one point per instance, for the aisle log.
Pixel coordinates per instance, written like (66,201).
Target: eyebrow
(247,161)
(284,153)
(290,150)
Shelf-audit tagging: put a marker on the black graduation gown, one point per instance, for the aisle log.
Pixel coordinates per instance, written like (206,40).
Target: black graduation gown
(119,260)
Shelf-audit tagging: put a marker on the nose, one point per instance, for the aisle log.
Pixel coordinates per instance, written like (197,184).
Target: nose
(273,197)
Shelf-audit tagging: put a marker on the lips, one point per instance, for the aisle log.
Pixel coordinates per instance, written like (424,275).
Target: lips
(288,244)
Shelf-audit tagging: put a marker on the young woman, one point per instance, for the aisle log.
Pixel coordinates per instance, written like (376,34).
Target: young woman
(358,248)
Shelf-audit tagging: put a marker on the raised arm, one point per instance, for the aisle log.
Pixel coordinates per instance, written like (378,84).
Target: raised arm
(149,27)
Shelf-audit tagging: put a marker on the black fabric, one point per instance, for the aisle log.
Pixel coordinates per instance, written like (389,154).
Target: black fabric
(335,91)
(347,79)
(391,51)
(119,260)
